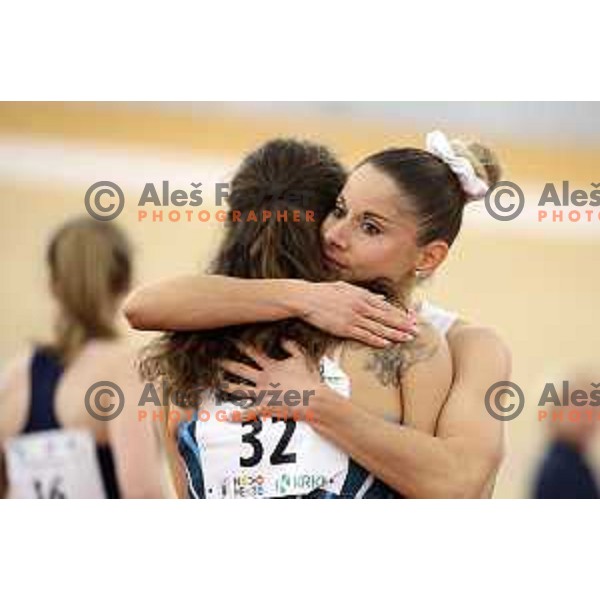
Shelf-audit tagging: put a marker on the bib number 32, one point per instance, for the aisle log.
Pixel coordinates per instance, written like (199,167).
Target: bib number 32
(279,455)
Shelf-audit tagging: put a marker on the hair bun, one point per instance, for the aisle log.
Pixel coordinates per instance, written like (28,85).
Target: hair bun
(482,158)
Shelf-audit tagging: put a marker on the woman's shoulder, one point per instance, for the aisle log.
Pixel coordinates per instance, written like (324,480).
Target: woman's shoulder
(471,331)
(463,334)
(470,339)
(118,352)
(455,326)
(100,360)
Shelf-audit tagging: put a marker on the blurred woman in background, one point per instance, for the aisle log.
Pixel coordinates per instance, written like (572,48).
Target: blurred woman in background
(565,470)
(53,445)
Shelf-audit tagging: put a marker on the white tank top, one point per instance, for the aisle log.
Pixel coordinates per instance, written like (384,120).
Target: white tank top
(440,318)
(261,459)
(212,448)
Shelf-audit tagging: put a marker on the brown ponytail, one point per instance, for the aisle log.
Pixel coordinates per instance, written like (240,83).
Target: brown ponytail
(90,266)
(282,175)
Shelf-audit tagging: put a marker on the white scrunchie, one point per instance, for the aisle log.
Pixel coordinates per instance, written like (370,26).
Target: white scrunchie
(437,143)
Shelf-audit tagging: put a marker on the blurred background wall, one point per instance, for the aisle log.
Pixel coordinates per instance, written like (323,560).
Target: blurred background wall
(536,283)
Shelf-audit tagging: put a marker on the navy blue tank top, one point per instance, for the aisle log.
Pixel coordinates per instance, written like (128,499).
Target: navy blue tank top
(45,373)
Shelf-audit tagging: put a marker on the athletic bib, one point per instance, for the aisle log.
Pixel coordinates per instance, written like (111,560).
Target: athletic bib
(269,458)
(54,464)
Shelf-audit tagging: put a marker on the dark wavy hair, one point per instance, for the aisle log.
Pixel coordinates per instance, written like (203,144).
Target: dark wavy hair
(282,175)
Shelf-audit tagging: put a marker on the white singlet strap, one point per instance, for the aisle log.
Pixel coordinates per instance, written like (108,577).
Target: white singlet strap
(440,318)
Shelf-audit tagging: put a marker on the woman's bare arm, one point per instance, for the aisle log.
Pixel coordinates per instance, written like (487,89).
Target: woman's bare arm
(463,456)
(196,302)
(133,439)
(191,302)
(426,383)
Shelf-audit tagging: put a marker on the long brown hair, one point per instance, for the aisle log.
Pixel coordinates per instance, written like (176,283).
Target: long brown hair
(90,266)
(282,176)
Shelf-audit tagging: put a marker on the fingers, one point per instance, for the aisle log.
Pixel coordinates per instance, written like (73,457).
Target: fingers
(391,334)
(382,311)
(247,414)
(366,336)
(372,335)
(260,412)
(240,394)
(370,339)
(292,348)
(241,370)
(375,307)
(378,301)
(390,314)
(256,355)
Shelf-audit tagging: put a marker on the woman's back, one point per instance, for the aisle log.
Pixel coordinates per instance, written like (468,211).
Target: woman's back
(39,395)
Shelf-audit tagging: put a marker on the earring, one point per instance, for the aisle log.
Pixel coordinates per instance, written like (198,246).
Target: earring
(420,274)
